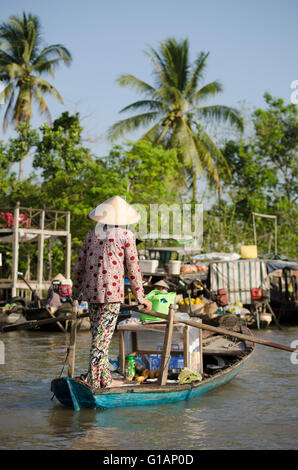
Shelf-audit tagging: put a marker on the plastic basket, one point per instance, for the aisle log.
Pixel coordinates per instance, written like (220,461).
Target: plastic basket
(176,362)
(161,302)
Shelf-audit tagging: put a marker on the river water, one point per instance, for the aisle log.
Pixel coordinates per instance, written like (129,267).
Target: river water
(256,410)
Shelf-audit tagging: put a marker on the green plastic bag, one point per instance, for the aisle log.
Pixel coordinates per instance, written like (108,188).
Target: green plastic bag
(161,302)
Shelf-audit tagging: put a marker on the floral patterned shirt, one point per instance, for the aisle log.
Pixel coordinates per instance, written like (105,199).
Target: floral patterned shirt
(99,268)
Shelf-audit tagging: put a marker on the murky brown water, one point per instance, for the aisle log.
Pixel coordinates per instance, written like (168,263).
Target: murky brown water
(257,410)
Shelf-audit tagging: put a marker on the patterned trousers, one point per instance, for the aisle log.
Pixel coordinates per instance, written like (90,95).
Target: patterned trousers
(103,319)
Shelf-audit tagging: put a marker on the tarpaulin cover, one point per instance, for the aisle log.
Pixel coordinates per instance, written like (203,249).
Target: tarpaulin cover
(239,277)
(273,265)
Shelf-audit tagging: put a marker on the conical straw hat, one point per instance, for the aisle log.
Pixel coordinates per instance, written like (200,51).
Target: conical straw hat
(162,284)
(115,211)
(59,277)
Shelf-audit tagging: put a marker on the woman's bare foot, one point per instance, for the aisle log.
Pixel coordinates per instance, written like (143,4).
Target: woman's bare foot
(116,383)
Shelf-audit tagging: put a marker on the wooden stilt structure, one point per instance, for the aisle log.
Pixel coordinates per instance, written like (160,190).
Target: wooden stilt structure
(27,225)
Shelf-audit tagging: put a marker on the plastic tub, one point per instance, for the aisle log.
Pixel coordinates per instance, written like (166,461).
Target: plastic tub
(174,266)
(148,265)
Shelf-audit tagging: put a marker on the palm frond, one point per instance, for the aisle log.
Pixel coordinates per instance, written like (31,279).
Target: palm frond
(207,163)
(197,74)
(136,84)
(153,134)
(46,87)
(22,109)
(192,157)
(211,89)
(221,113)
(43,107)
(143,104)
(8,94)
(214,150)
(13,70)
(130,124)
(55,52)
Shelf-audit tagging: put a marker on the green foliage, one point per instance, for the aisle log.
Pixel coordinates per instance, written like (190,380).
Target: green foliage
(145,173)
(5,164)
(277,143)
(264,176)
(59,152)
(20,146)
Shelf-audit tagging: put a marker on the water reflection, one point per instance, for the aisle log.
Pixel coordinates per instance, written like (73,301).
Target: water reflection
(130,428)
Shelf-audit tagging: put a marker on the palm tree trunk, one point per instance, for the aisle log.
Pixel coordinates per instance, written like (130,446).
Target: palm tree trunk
(194,185)
(21,170)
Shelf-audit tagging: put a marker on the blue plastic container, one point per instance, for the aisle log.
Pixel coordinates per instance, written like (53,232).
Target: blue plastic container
(176,362)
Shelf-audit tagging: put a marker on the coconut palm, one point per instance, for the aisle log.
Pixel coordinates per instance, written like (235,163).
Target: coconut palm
(22,65)
(175,109)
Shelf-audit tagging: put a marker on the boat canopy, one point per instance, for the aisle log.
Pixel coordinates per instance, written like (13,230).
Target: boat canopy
(273,265)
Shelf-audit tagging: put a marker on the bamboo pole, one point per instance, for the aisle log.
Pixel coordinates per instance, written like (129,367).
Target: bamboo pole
(40,253)
(222,331)
(72,340)
(166,352)
(15,250)
(68,247)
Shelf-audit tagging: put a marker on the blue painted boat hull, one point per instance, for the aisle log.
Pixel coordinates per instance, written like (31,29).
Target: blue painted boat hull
(77,395)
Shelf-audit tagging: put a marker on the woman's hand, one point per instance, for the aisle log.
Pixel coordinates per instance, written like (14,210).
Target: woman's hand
(148,305)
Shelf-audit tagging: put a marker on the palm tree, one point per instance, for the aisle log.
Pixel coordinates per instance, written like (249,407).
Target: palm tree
(22,65)
(175,109)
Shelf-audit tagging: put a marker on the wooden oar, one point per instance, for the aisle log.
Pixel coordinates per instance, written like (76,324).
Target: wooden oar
(215,329)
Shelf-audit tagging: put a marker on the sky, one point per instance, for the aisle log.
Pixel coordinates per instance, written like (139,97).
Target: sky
(253,46)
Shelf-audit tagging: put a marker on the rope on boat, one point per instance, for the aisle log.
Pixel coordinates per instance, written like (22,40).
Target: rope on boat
(66,357)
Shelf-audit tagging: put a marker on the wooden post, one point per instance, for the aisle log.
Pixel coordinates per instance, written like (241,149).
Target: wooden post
(40,254)
(72,340)
(201,350)
(275,236)
(190,304)
(68,247)
(121,352)
(15,251)
(166,353)
(186,346)
(254,228)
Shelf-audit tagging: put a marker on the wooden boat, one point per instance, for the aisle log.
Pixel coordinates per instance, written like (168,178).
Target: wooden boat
(71,392)
(44,313)
(223,360)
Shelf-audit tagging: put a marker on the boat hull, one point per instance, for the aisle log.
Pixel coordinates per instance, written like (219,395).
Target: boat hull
(77,395)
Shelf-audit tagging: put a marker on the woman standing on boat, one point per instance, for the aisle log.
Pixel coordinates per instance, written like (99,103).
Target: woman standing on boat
(99,277)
